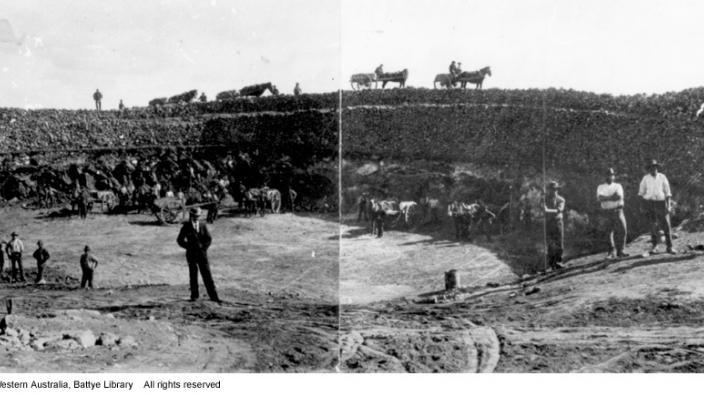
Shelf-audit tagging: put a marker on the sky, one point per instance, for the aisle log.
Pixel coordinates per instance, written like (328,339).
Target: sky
(618,47)
(56,53)
(137,50)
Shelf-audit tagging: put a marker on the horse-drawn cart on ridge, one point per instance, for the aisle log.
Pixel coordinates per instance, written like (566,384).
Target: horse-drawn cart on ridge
(371,80)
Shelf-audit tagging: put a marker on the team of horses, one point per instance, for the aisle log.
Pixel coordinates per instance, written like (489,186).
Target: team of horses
(448,80)
(250,90)
(468,218)
(444,80)
(256,201)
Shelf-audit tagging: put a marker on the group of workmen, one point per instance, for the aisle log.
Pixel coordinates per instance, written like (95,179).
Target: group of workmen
(14,248)
(655,193)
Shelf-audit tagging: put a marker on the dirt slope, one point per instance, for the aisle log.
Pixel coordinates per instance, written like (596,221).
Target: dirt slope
(639,314)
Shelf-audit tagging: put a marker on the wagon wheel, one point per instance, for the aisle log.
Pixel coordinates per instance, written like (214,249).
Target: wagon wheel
(169,211)
(168,215)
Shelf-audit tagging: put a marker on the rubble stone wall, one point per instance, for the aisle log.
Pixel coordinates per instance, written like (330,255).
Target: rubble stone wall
(38,130)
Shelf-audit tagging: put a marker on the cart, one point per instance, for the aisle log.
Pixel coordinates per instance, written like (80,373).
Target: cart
(171,210)
(371,80)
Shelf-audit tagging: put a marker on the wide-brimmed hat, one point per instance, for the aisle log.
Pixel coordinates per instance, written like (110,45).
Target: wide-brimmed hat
(195,212)
(14,233)
(553,185)
(610,172)
(654,164)
(86,248)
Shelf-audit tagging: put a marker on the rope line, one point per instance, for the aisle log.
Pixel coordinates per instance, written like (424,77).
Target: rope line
(545,217)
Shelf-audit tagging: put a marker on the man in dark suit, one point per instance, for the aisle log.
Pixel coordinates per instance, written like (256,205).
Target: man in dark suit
(195,238)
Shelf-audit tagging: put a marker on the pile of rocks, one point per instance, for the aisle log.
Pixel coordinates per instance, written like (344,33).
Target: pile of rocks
(14,336)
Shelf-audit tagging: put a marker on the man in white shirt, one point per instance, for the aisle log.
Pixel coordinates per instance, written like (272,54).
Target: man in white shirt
(14,251)
(656,194)
(611,197)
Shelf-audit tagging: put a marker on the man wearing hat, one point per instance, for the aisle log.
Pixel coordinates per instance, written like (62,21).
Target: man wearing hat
(98,97)
(611,197)
(378,215)
(88,265)
(656,194)
(554,206)
(42,256)
(14,250)
(195,238)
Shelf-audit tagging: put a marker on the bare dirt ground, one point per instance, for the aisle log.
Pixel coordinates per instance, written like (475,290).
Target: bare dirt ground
(277,275)
(642,314)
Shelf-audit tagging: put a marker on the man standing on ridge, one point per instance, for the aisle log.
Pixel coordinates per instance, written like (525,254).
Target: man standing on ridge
(98,97)
(611,197)
(656,194)
(297,90)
